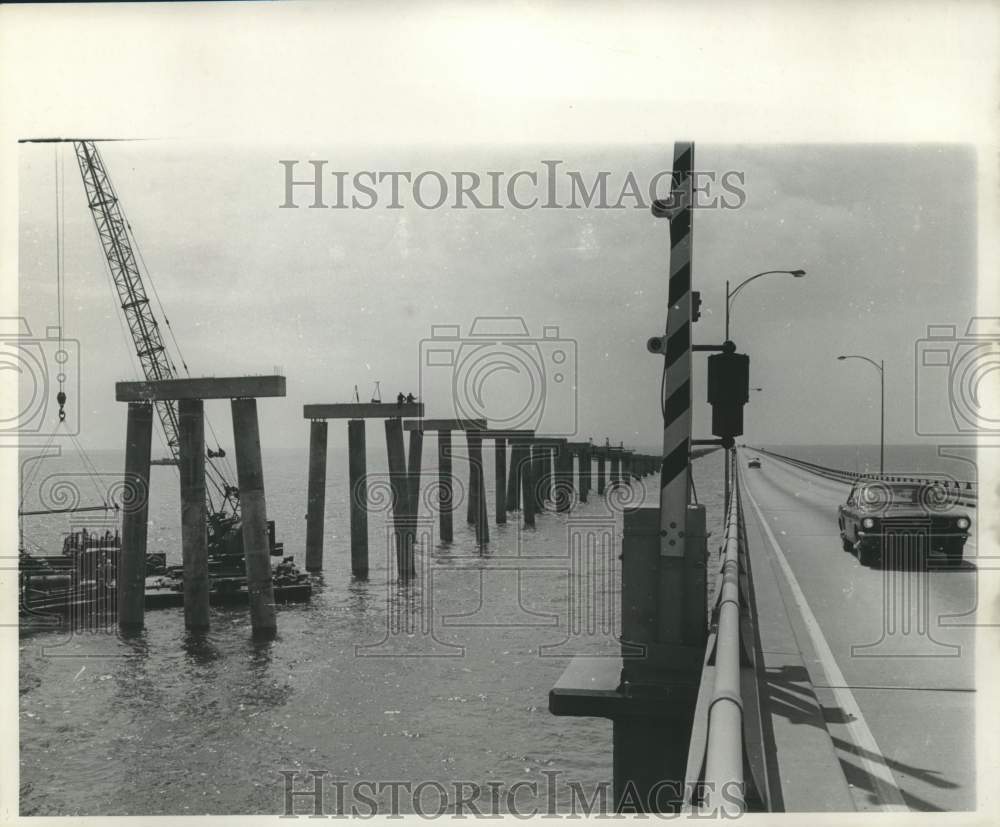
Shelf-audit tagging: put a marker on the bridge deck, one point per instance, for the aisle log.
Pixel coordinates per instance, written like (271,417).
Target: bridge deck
(888,654)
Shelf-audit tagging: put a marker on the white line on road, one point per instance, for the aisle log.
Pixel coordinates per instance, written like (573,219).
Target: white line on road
(872,760)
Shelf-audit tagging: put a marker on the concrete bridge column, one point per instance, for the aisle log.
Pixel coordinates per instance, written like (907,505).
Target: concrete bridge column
(132,560)
(316,495)
(446,499)
(500,465)
(357,475)
(399,482)
(194,512)
(513,498)
(257,551)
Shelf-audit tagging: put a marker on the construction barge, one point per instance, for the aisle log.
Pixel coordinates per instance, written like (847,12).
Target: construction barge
(82,581)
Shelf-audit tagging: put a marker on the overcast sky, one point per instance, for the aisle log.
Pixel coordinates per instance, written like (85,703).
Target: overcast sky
(343,297)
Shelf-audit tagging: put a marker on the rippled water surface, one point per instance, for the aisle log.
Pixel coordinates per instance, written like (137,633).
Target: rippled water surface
(445,680)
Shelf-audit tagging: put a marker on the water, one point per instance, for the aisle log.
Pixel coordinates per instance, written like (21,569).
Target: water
(167,723)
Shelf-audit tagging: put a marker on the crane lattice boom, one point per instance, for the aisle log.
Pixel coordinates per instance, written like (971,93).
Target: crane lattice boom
(114,233)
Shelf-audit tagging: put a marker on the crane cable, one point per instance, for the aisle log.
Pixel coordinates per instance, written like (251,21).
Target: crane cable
(60,219)
(228,470)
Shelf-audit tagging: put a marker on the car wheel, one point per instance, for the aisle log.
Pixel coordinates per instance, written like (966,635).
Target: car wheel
(954,557)
(847,544)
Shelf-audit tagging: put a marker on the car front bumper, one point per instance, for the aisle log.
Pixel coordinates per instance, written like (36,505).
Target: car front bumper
(946,542)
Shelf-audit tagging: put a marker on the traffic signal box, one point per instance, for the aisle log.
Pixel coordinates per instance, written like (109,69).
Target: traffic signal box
(728,391)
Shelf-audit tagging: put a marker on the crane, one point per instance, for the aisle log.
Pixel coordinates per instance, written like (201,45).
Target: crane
(155,357)
(115,235)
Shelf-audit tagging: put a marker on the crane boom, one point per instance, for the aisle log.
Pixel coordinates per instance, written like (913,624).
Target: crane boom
(115,236)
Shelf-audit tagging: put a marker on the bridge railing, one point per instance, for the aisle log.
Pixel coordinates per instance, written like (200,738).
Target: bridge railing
(964,492)
(727,770)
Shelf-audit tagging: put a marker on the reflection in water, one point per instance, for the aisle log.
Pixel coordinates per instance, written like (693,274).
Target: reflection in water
(198,647)
(366,680)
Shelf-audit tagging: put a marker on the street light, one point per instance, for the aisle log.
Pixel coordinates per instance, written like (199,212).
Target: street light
(880,367)
(732,295)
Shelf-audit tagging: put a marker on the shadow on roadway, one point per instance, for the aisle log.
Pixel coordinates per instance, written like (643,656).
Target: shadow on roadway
(790,695)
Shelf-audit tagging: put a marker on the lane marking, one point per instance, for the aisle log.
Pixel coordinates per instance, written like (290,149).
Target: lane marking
(873,761)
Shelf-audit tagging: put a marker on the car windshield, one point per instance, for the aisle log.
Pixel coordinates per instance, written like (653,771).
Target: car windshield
(899,494)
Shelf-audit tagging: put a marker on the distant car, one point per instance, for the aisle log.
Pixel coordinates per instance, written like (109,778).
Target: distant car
(754,463)
(880,517)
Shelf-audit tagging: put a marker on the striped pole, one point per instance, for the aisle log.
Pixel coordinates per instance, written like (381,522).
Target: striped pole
(676,349)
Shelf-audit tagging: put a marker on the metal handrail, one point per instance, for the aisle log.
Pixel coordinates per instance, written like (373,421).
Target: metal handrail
(967,492)
(715,780)
(724,751)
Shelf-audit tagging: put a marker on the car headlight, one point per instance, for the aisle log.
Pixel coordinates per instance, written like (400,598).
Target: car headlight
(962,522)
(868,522)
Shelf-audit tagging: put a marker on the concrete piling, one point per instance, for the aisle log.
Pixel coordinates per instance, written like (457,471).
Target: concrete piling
(132,560)
(413,471)
(194,516)
(564,492)
(472,440)
(445,483)
(500,474)
(615,480)
(526,473)
(540,479)
(547,472)
(316,495)
(581,476)
(398,480)
(600,474)
(357,472)
(250,472)
(513,497)
(477,488)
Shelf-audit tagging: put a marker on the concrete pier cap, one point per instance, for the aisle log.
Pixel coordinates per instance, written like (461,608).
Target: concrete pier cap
(202,387)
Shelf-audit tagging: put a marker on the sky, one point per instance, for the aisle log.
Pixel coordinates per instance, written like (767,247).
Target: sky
(335,298)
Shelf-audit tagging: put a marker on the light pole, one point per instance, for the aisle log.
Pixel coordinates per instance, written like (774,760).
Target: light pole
(880,367)
(732,295)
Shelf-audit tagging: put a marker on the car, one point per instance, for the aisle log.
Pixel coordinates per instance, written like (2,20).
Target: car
(881,517)
(754,463)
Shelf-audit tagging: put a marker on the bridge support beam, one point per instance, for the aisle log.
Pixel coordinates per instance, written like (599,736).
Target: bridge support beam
(513,497)
(316,495)
(256,549)
(399,482)
(194,512)
(526,472)
(477,489)
(132,557)
(500,474)
(446,497)
(357,476)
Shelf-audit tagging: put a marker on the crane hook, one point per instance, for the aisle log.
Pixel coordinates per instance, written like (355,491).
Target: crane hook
(61,399)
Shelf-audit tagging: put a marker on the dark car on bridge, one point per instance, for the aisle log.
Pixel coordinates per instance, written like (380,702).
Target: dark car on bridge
(754,463)
(908,519)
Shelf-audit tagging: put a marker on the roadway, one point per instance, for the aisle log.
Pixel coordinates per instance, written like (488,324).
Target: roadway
(889,652)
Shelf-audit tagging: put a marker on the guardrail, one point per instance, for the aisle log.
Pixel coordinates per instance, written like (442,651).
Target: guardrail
(728,731)
(965,492)
(688,731)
